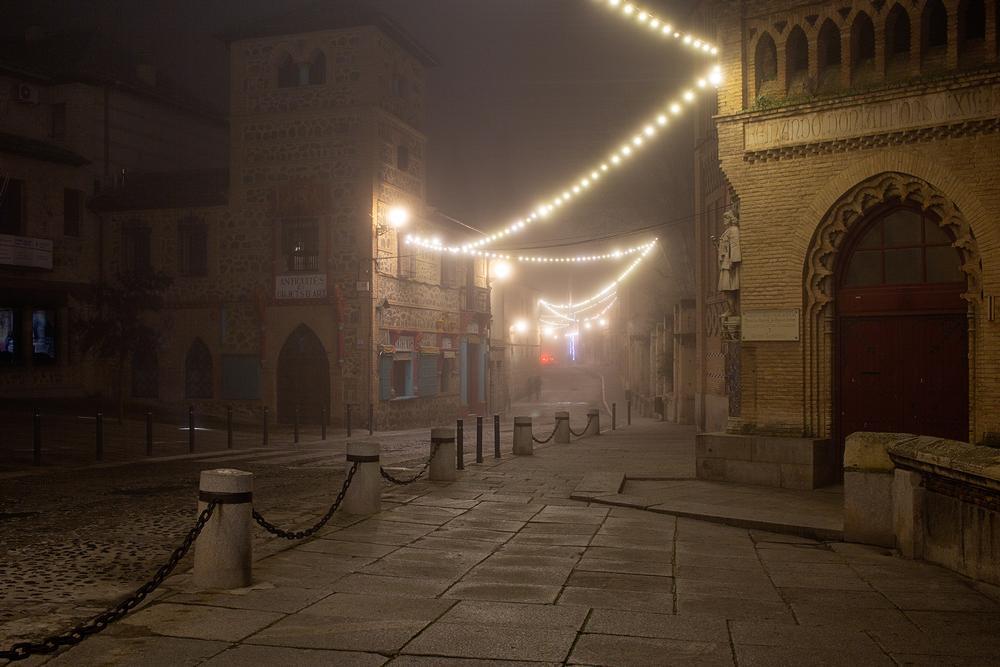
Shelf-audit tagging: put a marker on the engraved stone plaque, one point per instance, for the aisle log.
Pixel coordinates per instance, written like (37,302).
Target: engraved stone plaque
(770,324)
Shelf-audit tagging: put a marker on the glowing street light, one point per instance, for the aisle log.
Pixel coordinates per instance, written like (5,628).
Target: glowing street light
(399,216)
(521,326)
(501,270)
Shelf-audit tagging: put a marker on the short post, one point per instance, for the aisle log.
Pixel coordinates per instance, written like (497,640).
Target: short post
(593,422)
(322,424)
(496,436)
(442,466)
(479,439)
(460,444)
(628,412)
(523,444)
(224,550)
(149,433)
(614,416)
(295,425)
(264,425)
(347,419)
(191,429)
(229,427)
(562,427)
(36,436)
(364,496)
(371,419)
(100,435)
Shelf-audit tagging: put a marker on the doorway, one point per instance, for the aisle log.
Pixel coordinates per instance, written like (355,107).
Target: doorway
(902,333)
(303,377)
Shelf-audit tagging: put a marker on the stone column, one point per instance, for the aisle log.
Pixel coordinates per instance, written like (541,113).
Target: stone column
(364,496)
(223,552)
(562,427)
(442,467)
(523,444)
(593,422)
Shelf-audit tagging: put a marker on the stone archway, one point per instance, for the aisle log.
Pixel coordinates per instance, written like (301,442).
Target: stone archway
(821,266)
(303,377)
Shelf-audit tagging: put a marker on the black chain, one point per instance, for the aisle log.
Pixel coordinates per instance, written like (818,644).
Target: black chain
(590,418)
(403,482)
(23,650)
(551,435)
(308,532)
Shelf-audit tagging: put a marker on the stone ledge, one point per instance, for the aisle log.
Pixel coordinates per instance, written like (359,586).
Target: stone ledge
(791,463)
(960,461)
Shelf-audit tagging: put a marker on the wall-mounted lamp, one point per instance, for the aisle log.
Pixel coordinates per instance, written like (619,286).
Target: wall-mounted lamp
(398,217)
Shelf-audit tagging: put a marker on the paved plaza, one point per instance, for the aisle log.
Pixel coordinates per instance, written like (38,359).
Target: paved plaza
(504,567)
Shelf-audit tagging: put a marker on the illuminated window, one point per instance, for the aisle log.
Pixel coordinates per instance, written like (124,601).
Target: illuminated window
(10,336)
(300,245)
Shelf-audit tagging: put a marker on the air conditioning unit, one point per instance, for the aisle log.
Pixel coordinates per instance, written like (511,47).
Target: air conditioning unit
(25,93)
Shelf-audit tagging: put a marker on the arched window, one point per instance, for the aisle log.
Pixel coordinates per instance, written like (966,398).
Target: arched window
(288,72)
(904,246)
(897,43)
(797,60)
(934,35)
(765,63)
(971,32)
(828,55)
(198,371)
(145,373)
(862,48)
(317,69)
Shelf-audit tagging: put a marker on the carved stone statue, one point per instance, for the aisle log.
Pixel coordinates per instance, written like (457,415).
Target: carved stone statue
(730,258)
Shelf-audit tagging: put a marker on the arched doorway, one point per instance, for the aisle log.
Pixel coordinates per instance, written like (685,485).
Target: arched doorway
(303,377)
(901,332)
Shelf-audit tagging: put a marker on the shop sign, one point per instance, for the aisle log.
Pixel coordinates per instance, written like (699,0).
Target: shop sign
(760,325)
(25,251)
(311,286)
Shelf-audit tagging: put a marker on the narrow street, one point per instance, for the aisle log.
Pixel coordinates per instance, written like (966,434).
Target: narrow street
(76,538)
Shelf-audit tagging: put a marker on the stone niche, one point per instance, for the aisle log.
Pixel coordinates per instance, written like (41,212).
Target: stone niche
(791,463)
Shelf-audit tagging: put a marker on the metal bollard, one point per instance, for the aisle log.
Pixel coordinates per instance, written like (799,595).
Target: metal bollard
(264,426)
(149,434)
(562,427)
(295,425)
(496,436)
(523,444)
(614,416)
(229,427)
(460,444)
(36,436)
(322,424)
(593,422)
(191,429)
(347,419)
(224,551)
(364,496)
(479,439)
(99,423)
(442,466)
(371,419)
(628,412)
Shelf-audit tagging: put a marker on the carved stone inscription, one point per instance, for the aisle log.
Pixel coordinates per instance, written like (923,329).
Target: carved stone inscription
(770,324)
(875,118)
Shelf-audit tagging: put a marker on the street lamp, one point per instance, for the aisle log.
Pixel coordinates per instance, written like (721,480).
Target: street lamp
(398,217)
(521,326)
(501,270)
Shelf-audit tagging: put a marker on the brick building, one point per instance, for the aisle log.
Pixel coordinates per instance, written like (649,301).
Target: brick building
(858,144)
(294,289)
(75,116)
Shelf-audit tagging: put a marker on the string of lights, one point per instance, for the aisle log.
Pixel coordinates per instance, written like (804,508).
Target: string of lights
(659,26)
(435,244)
(576,307)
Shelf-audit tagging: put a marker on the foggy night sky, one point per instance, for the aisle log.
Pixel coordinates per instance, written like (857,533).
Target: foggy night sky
(526,95)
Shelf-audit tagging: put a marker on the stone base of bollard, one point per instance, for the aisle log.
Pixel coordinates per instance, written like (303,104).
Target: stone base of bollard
(593,422)
(223,553)
(442,466)
(523,444)
(364,496)
(562,428)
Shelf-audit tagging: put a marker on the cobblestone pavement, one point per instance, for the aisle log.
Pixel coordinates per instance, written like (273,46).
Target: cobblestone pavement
(74,540)
(503,566)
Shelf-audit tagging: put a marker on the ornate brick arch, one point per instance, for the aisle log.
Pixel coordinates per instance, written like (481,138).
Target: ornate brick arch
(820,268)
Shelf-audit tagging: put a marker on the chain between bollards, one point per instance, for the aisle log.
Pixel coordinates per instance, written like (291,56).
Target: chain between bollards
(308,532)
(496,436)
(546,440)
(590,419)
(404,482)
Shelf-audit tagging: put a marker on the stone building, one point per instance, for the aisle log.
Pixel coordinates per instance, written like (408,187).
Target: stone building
(294,289)
(859,146)
(75,118)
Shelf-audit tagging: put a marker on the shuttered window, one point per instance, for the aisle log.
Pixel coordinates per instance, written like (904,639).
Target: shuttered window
(429,380)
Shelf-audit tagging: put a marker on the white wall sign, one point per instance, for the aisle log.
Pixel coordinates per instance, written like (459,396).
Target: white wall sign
(311,286)
(770,324)
(25,251)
